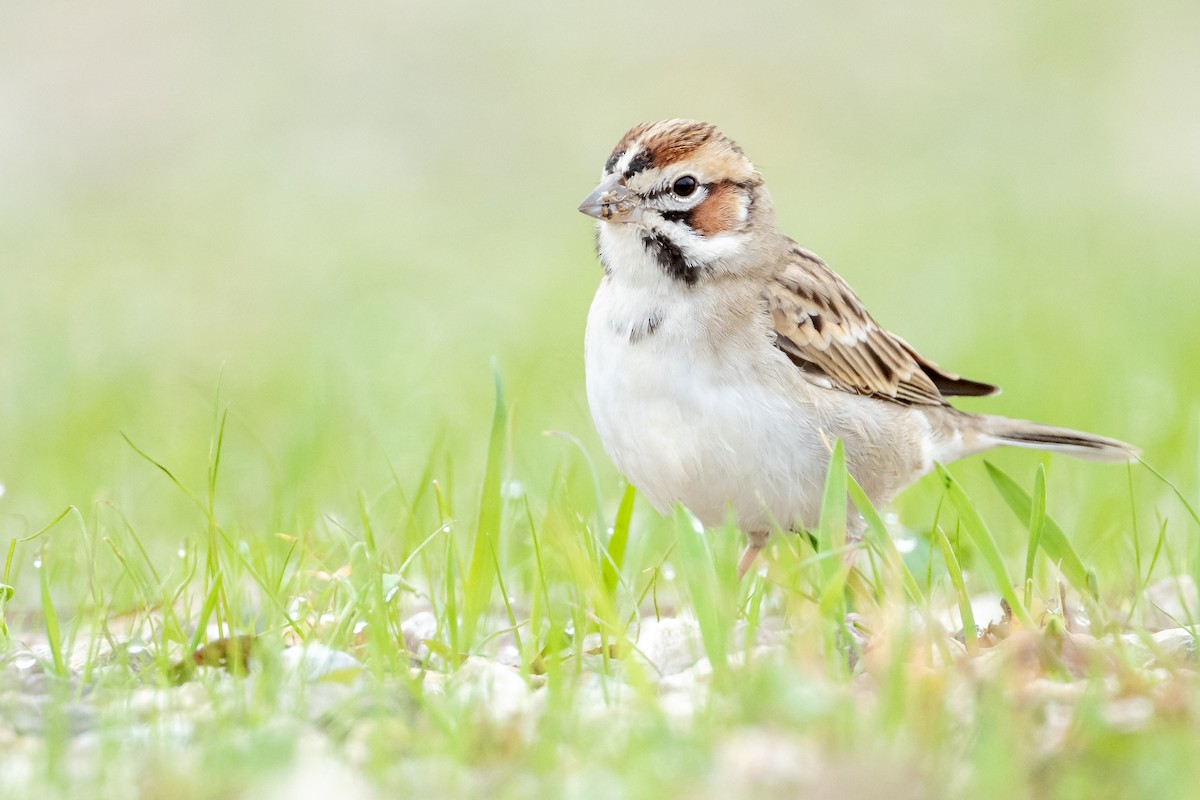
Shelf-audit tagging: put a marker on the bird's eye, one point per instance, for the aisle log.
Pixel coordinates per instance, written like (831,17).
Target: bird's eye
(684,186)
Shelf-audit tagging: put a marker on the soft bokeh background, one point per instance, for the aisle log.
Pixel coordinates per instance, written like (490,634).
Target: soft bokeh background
(331,220)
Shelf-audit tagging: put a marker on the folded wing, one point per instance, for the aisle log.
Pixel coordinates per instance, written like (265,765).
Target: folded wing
(824,329)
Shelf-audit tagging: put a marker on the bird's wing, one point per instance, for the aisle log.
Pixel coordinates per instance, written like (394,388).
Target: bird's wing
(824,329)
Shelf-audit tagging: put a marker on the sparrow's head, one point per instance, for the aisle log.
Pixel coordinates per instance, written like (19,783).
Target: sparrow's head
(688,195)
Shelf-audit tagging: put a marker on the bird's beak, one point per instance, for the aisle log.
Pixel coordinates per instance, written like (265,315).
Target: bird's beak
(611,202)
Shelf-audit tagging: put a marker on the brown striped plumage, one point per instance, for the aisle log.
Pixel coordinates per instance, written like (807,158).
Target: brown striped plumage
(822,326)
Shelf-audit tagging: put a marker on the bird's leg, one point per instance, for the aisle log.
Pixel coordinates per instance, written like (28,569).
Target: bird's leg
(755,541)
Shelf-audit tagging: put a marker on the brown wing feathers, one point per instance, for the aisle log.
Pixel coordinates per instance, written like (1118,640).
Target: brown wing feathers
(949,384)
(822,326)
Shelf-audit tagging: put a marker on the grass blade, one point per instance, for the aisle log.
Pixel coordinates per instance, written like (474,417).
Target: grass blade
(211,600)
(979,533)
(1037,518)
(618,541)
(481,573)
(831,533)
(831,536)
(162,468)
(53,629)
(834,564)
(1174,489)
(713,606)
(878,535)
(1052,539)
(954,570)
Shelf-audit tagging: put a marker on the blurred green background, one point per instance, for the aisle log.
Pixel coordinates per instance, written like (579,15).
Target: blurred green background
(331,220)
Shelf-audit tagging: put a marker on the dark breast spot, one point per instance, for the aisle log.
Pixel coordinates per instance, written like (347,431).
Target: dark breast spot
(646,327)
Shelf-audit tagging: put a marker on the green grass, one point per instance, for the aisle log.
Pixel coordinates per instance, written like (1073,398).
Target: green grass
(289,304)
(1053,702)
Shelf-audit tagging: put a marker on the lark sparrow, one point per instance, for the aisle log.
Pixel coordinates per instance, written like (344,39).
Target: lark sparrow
(723,359)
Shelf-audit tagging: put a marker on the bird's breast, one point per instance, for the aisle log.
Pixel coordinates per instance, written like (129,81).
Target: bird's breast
(689,419)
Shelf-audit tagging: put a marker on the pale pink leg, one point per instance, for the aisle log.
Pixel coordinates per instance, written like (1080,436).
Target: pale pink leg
(756,542)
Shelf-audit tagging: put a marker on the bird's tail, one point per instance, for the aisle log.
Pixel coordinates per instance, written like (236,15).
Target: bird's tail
(1035,436)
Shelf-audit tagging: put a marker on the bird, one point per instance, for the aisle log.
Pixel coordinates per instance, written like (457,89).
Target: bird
(723,360)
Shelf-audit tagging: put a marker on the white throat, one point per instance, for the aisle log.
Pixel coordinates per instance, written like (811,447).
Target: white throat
(624,251)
